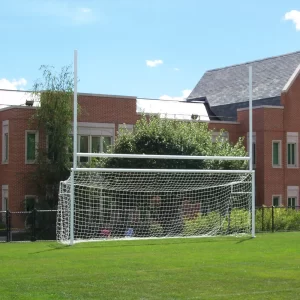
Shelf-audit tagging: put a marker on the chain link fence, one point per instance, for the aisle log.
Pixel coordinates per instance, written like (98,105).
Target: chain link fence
(272,219)
(40,225)
(27,226)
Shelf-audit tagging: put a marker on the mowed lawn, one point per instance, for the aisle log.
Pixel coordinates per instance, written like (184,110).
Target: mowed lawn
(267,267)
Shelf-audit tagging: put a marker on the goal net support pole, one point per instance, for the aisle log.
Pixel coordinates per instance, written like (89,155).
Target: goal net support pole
(251,151)
(72,190)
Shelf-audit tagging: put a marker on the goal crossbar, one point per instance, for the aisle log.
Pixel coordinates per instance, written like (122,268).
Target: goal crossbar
(159,170)
(155,156)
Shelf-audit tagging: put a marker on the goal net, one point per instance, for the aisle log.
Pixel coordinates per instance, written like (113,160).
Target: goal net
(135,203)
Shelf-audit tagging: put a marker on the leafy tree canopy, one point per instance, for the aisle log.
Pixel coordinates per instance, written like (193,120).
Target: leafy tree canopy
(53,118)
(156,135)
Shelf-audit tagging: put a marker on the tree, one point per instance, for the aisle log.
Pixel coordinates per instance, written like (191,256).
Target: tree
(156,135)
(156,205)
(53,118)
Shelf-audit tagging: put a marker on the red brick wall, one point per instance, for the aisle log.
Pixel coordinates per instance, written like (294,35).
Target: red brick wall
(105,109)
(291,123)
(268,180)
(15,174)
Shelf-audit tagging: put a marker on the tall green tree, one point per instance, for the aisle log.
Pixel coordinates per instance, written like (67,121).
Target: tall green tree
(156,135)
(53,118)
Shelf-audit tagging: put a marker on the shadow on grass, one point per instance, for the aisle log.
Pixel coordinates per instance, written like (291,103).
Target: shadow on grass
(244,240)
(138,243)
(52,247)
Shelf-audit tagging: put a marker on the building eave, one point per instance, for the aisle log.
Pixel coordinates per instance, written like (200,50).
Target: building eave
(291,80)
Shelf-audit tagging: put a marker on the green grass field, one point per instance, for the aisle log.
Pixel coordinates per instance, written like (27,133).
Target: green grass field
(267,267)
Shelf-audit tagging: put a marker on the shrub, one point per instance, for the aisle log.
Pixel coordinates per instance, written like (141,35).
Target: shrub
(284,219)
(156,230)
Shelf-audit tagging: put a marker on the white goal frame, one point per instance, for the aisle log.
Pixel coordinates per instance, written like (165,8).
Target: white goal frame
(76,155)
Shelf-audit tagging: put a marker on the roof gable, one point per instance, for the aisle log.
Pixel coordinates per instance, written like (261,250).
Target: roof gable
(231,84)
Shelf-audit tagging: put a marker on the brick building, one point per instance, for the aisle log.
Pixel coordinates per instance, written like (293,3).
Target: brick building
(224,93)
(276,121)
(100,119)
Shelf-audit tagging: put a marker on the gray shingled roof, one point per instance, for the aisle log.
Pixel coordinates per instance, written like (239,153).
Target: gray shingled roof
(231,84)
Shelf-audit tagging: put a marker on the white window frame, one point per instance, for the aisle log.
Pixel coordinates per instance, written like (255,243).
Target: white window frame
(5,131)
(94,129)
(90,137)
(293,192)
(253,145)
(279,201)
(36,145)
(292,138)
(279,153)
(4,203)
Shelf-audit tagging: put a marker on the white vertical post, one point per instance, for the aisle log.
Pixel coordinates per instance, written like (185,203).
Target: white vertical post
(75,113)
(251,153)
(72,190)
(74,151)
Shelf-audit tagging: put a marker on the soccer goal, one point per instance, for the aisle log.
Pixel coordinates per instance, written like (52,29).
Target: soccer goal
(99,204)
(114,203)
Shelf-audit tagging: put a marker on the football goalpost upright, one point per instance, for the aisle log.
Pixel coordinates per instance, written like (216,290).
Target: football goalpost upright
(97,204)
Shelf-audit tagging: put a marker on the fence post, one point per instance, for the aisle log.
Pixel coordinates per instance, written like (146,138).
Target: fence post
(33,233)
(8,225)
(273,229)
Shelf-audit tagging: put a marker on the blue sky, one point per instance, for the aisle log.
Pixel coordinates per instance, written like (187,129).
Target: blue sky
(144,48)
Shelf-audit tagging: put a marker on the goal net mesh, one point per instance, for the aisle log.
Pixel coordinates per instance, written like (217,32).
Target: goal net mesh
(143,204)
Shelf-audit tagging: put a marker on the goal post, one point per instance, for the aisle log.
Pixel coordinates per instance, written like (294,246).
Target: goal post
(122,203)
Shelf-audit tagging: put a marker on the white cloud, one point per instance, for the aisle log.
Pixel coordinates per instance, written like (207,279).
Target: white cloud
(86,10)
(12,85)
(15,95)
(154,63)
(176,69)
(185,94)
(294,16)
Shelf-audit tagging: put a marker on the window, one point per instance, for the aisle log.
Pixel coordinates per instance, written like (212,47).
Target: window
(254,153)
(292,196)
(276,154)
(93,144)
(5,140)
(292,149)
(253,147)
(30,202)
(84,147)
(276,200)
(96,144)
(291,154)
(4,204)
(94,137)
(292,202)
(6,147)
(31,143)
